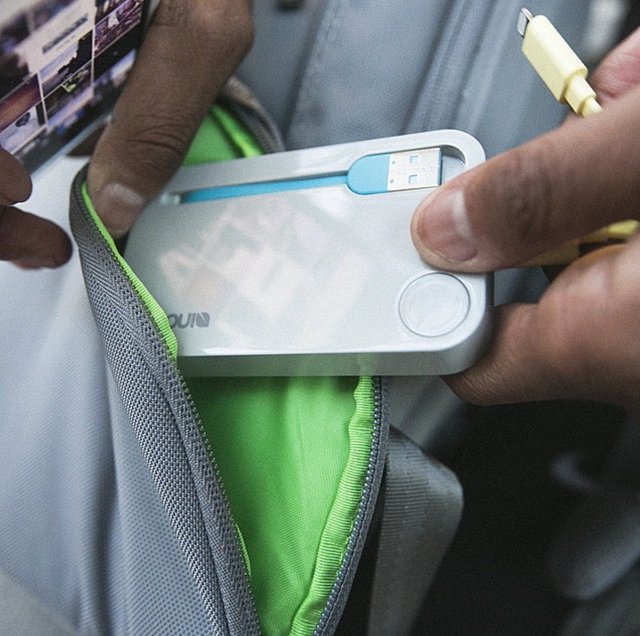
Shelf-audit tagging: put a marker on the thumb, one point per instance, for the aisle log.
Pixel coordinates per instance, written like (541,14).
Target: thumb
(190,50)
(560,186)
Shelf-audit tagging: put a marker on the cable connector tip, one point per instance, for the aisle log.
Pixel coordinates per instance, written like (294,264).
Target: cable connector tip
(524,17)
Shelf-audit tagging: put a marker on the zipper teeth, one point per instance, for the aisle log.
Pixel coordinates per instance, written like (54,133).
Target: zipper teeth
(335,594)
(254,119)
(363,508)
(77,192)
(247,594)
(214,467)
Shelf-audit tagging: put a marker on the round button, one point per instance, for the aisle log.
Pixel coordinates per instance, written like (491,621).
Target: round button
(434,304)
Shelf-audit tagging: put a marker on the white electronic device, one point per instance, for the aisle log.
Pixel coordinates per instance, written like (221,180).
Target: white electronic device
(301,263)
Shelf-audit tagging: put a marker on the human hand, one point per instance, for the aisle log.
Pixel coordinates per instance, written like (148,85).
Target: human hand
(25,239)
(581,339)
(190,49)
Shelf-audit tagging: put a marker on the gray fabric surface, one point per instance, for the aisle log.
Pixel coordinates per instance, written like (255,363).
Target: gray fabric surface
(599,543)
(82,526)
(616,613)
(22,614)
(421,512)
(356,69)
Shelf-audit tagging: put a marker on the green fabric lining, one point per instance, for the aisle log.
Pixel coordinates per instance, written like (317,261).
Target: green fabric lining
(293,454)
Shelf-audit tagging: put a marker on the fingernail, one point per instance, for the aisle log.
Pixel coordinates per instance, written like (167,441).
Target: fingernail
(441,226)
(37,262)
(118,206)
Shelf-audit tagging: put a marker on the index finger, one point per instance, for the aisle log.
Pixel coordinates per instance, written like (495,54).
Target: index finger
(15,183)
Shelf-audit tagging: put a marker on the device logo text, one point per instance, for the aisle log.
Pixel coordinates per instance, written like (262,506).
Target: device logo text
(199,320)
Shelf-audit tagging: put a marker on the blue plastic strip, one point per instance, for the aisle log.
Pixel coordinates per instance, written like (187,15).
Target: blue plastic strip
(266,187)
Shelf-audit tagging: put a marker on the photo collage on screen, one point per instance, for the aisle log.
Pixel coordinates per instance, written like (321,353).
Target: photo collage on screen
(61,65)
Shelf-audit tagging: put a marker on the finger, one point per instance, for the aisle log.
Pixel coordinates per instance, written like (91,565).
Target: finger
(503,376)
(15,183)
(30,241)
(189,52)
(560,186)
(573,344)
(619,72)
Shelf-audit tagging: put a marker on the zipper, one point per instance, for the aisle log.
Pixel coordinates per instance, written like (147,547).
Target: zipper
(337,600)
(227,558)
(245,107)
(243,562)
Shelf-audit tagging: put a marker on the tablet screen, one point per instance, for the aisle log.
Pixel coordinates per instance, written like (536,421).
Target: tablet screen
(62,65)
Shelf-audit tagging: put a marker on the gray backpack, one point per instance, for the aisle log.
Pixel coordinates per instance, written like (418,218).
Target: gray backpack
(240,507)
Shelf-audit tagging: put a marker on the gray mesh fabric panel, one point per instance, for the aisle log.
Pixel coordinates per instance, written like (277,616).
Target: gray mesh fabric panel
(159,594)
(168,433)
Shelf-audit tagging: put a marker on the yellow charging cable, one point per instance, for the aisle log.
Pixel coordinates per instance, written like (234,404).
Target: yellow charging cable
(565,76)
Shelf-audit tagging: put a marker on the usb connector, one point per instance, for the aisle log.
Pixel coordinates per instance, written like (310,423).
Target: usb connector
(565,76)
(396,171)
(413,169)
(557,65)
